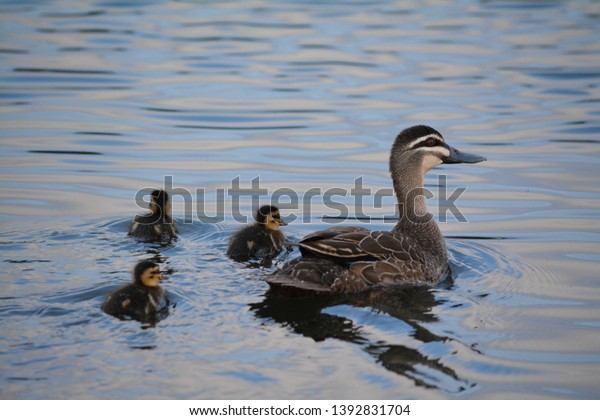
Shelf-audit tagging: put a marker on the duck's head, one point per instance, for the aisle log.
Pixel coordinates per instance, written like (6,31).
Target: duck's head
(147,273)
(159,204)
(421,148)
(269,218)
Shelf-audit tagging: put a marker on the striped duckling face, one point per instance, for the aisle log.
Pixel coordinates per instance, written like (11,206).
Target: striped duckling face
(147,273)
(426,147)
(269,217)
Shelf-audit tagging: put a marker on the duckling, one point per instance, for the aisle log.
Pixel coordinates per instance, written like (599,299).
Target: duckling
(156,226)
(140,300)
(354,259)
(261,240)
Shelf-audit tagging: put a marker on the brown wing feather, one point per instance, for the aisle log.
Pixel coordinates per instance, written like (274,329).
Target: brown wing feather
(338,243)
(331,232)
(350,260)
(316,275)
(389,272)
(395,260)
(383,245)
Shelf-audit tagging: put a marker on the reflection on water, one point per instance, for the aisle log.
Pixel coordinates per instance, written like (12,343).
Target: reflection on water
(306,316)
(101,99)
(323,317)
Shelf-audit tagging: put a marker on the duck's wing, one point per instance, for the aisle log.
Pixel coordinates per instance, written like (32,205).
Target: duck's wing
(331,232)
(394,259)
(339,243)
(347,244)
(351,260)
(313,274)
(375,257)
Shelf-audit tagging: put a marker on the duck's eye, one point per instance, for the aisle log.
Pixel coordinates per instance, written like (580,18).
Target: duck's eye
(431,142)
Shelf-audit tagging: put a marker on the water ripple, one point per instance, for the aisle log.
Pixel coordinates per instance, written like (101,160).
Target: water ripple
(101,99)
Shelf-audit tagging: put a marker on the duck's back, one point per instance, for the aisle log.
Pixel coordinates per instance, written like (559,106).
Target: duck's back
(350,260)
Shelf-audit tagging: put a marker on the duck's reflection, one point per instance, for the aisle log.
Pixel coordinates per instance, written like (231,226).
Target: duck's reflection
(305,315)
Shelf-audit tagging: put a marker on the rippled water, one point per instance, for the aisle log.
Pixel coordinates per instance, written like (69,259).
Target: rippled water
(101,99)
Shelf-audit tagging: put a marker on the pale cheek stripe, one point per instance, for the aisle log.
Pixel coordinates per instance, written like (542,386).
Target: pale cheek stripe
(420,139)
(438,149)
(430,161)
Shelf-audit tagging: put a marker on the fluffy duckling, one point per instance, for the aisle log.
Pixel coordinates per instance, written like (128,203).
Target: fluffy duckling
(263,239)
(140,300)
(156,226)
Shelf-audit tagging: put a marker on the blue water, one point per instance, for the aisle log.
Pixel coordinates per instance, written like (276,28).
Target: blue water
(99,100)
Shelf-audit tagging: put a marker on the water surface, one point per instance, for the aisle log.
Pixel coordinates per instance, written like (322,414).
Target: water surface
(101,99)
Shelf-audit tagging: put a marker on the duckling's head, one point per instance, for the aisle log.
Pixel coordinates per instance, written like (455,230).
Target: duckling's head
(147,273)
(269,218)
(159,204)
(421,148)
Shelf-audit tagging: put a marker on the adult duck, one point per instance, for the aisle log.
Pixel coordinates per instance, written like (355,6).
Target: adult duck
(353,259)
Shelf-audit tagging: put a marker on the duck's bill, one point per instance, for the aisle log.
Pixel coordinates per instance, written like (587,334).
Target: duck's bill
(282,222)
(456,156)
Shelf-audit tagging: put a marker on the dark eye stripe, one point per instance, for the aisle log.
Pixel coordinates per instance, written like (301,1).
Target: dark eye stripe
(429,142)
